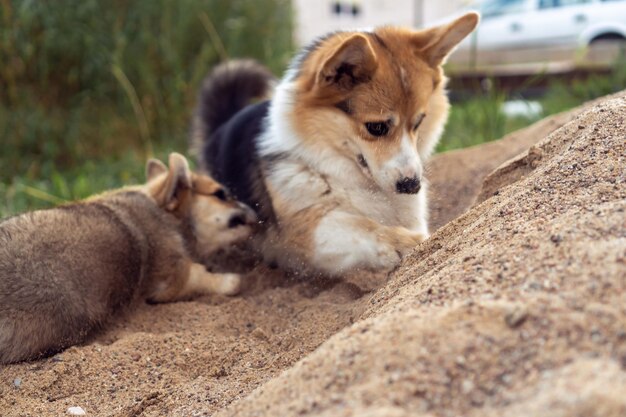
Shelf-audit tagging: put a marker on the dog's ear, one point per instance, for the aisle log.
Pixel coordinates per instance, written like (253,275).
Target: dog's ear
(351,63)
(154,168)
(435,44)
(170,190)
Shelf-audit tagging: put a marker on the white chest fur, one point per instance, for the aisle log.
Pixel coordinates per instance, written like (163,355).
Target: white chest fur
(306,176)
(298,186)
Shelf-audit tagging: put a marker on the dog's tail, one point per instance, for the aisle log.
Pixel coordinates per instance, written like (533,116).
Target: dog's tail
(228,88)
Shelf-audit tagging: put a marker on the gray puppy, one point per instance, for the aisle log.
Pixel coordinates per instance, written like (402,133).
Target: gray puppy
(65,271)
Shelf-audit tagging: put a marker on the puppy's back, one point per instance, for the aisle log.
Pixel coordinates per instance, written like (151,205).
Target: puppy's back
(63,272)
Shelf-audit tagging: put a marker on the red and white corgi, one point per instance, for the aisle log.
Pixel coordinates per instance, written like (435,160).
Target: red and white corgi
(333,163)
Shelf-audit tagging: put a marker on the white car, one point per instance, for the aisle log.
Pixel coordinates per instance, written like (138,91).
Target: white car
(522,31)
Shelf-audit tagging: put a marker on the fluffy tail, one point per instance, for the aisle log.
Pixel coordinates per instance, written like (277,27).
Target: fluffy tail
(228,88)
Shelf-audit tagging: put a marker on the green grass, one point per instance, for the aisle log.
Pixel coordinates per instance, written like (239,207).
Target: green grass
(93,176)
(480,119)
(90,89)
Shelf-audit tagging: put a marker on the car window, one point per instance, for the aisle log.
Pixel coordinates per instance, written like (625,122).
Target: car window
(548,4)
(499,7)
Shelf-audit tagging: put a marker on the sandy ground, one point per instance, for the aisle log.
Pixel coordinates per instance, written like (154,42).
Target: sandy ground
(517,307)
(456,177)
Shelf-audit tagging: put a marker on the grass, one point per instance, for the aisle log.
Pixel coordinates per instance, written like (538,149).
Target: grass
(480,119)
(90,90)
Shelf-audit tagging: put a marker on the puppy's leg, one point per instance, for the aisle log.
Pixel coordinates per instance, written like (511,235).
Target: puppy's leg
(343,241)
(194,279)
(201,281)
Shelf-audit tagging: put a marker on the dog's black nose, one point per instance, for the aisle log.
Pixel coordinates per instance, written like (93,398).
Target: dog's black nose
(237,220)
(408,185)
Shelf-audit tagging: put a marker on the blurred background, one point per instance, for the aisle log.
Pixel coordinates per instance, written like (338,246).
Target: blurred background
(89,89)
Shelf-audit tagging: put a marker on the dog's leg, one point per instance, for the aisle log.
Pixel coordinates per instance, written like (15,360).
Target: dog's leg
(196,280)
(201,281)
(343,241)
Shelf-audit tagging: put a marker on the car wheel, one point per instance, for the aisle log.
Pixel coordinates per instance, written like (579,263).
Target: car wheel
(606,48)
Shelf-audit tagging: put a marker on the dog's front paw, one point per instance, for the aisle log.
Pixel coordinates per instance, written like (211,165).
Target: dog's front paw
(417,238)
(229,284)
(407,240)
(388,258)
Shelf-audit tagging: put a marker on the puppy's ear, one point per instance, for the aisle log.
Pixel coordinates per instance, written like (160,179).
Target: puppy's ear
(437,43)
(351,63)
(154,168)
(170,190)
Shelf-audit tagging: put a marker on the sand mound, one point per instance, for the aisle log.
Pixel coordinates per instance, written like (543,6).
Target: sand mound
(457,177)
(515,308)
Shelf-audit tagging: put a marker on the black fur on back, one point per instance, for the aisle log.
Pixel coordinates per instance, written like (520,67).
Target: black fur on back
(226,128)
(227,89)
(231,157)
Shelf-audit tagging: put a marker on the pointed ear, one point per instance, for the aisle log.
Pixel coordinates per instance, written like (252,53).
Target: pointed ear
(154,168)
(438,42)
(170,190)
(351,63)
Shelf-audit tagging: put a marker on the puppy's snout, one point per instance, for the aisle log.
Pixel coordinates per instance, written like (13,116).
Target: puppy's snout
(237,220)
(249,214)
(408,185)
(243,216)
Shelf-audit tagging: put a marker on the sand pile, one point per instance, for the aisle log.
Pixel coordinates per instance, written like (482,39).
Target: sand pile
(518,307)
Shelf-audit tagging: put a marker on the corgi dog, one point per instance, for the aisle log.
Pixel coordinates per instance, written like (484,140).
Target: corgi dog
(333,163)
(65,271)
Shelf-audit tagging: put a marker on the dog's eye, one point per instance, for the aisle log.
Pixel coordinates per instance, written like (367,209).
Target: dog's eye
(221,194)
(377,128)
(419,120)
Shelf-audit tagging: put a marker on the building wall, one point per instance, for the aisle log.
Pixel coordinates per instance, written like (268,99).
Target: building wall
(434,10)
(317,17)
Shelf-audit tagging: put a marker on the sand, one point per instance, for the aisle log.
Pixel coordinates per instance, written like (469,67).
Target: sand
(515,306)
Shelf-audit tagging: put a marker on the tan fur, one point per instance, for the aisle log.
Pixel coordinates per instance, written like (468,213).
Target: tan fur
(65,271)
(401,86)
(337,184)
